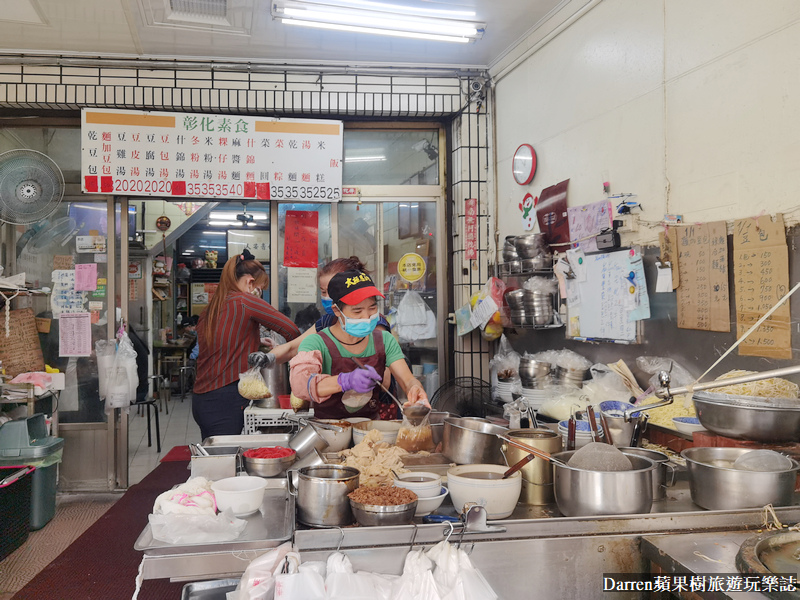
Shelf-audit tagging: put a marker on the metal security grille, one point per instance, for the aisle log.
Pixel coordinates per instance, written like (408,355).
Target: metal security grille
(469,159)
(226,88)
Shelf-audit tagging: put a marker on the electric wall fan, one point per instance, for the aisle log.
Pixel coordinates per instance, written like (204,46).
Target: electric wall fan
(31,186)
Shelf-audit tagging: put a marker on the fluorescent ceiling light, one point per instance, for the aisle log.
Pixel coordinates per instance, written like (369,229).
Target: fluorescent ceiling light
(237,233)
(381,19)
(214,233)
(225,223)
(364,158)
(222,215)
(252,224)
(443,12)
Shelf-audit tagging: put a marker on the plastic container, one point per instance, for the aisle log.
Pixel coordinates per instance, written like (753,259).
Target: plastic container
(242,495)
(15,506)
(285,401)
(25,442)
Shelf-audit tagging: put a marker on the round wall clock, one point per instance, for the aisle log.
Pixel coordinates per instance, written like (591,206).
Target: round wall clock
(523,165)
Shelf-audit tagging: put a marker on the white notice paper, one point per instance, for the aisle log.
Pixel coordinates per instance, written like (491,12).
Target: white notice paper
(75,334)
(302,285)
(483,312)
(664,279)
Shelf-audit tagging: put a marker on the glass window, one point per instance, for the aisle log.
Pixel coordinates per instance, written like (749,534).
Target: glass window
(358,226)
(391,157)
(305,313)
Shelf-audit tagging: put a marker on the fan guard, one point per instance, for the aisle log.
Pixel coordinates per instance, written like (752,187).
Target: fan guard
(31,186)
(463,396)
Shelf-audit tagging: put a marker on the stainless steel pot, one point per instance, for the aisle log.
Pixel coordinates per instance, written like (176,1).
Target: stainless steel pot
(277,379)
(537,475)
(594,493)
(472,441)
(322,494)
(306,440)
(747,418)
(716,485)
(660,484)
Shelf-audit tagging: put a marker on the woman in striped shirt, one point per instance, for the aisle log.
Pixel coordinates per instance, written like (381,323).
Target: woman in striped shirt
(228,331)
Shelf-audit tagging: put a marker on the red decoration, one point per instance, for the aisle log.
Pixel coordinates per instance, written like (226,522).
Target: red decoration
(301,240)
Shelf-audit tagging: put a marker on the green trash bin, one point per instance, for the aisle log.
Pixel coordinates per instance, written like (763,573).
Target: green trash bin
(25,442)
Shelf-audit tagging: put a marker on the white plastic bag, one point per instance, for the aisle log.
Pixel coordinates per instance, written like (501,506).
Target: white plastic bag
(455,576)
(106,351)
(196,529)
(258,580)
(416,582)
(415,320)
(252,385)
(343,584)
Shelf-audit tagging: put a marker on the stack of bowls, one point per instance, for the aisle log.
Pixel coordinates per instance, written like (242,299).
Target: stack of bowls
(583,433)
(428,488)
(530,245)
(569,377)
(516,304)
(510,256)
(539,305)
(533,374)
(542,262)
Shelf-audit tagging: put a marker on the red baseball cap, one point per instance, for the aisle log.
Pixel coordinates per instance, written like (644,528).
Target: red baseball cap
(352,287)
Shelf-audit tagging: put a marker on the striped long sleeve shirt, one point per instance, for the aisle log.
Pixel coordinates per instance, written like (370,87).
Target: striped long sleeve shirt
(237,335)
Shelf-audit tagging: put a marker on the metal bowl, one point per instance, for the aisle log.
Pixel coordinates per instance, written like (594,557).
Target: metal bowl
(530,245)
(593,493)
(268,467)
(472,441)
(716,485)
(372,515)
(724,415)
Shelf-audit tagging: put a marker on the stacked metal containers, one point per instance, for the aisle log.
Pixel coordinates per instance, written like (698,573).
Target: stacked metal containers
(533,374)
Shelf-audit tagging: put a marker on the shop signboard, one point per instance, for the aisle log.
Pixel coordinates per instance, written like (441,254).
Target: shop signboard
(141,153)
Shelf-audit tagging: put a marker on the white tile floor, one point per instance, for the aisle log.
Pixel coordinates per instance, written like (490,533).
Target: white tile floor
(177,429)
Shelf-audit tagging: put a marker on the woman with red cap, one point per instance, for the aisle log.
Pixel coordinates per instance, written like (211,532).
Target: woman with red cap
(324,372)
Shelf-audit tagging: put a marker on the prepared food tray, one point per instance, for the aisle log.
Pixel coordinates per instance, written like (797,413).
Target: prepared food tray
(208,590)
(272,525)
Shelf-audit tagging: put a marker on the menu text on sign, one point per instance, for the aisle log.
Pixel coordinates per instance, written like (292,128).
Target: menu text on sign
(219,156)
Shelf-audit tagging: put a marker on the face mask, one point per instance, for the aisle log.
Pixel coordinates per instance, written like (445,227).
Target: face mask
(360,327)
(327,306)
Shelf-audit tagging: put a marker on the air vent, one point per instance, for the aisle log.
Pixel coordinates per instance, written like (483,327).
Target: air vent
(200,8)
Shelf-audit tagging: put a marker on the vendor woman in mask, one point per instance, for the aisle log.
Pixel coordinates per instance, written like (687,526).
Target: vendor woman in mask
(324,372)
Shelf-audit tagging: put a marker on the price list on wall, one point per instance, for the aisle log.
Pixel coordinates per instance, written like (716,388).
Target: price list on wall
(703,294)
(761,278)
(214,156)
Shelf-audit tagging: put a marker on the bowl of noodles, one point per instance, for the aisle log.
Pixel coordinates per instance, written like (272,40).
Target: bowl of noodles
(762,411)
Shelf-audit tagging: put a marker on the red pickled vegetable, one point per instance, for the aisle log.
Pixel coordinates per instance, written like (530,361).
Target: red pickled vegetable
(269,452)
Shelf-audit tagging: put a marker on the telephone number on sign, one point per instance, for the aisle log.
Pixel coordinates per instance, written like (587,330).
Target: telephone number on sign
(309,191)
(214,189)
(142,185)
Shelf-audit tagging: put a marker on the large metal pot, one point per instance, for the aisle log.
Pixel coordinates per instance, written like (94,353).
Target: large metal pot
(660,484)
(716,485)
(322,494)
(472,441)
(277,379)
(747,418)
(537,475)
(593,493)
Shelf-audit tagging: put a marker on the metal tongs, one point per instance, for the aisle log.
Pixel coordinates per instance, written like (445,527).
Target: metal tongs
(303,421)
(198,450)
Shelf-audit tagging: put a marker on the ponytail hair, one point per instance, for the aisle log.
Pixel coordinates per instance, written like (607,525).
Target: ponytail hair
(235,268)
(340,265)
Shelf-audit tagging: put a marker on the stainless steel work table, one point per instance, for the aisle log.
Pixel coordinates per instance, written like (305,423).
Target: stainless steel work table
(559,557)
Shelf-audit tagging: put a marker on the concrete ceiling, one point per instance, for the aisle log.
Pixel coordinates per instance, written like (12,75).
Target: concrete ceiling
(247,32)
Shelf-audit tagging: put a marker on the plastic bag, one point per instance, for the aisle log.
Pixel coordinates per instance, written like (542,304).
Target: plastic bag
(455,576)
(415,320)
(679,376)
(105,350)
(258,580)
(343,584)
(415,438)
(416,582)
(196,529)
(122,378)
(505,362)
(493,290)
(252,385)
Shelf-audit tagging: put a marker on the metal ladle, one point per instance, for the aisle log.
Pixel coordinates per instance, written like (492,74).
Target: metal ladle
(415,412)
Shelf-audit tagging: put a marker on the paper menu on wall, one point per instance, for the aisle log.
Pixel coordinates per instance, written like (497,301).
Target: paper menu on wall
(64,297)
(587,221)
(86,277)
(75,334)
(703,295)
(608,308)
(761,278)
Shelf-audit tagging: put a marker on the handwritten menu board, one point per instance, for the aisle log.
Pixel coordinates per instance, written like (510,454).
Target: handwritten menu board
(21,351)
(703,295)
(587,221)
(301,247)
(205,155)
(64,297)
(75,334)
(761,278)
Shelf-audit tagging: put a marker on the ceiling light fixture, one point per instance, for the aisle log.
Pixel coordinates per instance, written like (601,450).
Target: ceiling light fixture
(380,19)
(364,158)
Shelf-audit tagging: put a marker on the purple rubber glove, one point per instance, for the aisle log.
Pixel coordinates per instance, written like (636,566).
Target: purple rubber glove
(361,380)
